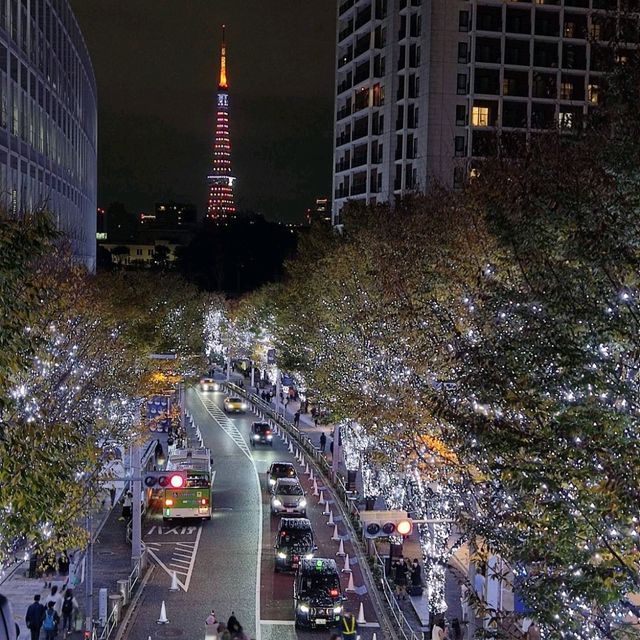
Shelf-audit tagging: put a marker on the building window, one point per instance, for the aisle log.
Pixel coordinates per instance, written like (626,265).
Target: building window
(459,146)
(594,94)
(480,116)
(461,115)
(463,52)
(462,83)
(567,120)
(138,252)
(566,90)
(463,21)
(149,252)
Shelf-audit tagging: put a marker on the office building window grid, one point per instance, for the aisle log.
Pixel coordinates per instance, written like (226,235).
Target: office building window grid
(48,118)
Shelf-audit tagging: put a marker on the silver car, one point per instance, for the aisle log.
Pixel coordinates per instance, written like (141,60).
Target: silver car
(287,496)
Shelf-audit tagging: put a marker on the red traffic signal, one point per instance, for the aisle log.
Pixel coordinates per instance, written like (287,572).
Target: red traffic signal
(165,479)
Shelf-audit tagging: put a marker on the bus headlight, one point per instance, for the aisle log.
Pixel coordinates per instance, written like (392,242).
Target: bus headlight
(304,608)
(282,556)
(302,503)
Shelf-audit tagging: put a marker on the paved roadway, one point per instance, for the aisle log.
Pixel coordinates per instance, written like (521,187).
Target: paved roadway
(217,563)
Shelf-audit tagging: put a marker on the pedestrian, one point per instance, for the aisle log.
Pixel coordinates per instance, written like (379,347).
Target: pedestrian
(331,447)
(112,494)
(323,441)
(55,598)
(240,634)
(400,578)
(456,630)
(127,503)
(50,622)
(438,631)
(416,578)
(211,618)
(49,572)
(315,421)
(232,624)
(223,632)
(533,632)
(35,617)
(69,607)
(296,419)
(349,625)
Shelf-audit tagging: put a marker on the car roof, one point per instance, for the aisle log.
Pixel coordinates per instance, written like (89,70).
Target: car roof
(206,379)
(287,481)
(284,464)
(259,423)
(233,399)
(324,566)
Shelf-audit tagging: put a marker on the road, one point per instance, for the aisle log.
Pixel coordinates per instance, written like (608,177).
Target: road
(227,563)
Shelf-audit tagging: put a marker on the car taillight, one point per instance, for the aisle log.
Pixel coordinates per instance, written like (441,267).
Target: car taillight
(204,502)
(333,593)
(268,432)
(168,502)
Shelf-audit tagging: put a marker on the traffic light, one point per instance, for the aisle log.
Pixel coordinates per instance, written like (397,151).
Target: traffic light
(380,524)
(165,479)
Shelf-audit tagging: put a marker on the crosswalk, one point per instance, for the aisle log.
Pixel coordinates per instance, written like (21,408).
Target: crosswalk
(223,421)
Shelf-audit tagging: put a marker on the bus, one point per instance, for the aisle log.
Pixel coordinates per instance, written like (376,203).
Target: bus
(194,499)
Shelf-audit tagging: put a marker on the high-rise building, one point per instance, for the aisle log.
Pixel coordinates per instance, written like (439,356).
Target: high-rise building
(48,120)
(221,202)
(424,87)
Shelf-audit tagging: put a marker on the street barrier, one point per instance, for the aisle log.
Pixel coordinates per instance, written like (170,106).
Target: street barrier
(347,500)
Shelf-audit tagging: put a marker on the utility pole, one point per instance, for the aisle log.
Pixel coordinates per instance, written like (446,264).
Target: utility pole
(88,575)
(136,523)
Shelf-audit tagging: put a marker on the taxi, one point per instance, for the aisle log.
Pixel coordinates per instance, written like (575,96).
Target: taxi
(233,404)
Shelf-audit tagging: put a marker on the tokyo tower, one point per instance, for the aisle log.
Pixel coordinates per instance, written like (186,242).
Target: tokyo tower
(221,202)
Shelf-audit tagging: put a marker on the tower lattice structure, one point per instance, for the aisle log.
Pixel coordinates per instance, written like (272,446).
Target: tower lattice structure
(221,201)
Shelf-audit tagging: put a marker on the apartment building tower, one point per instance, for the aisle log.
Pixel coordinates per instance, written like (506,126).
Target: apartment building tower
(426,87)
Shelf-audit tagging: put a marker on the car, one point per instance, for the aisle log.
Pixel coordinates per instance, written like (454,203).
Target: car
(280,470)
(261,434)
(294,542)
(317,594)
(209,384)
(233,404)
(287,496)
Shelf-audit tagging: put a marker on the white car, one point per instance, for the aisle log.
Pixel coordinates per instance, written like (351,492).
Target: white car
(209,384)
(287,496)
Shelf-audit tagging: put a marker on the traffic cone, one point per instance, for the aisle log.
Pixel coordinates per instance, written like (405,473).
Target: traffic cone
(321,501)
(351,587)
(163,615)
(347,565)
(306,469)
(290,448)
(311,476)
(331,522)
(174,582)
(335,535)
(326,509)
(361,619)
(375,636)
(340,551)
(315,488)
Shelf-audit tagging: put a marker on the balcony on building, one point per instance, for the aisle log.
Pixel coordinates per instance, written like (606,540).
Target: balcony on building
(346,56)
(363,16)
(345,6)
(346,29)
(363,44)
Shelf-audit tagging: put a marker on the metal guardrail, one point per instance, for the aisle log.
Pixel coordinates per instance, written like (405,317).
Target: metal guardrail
(348,501)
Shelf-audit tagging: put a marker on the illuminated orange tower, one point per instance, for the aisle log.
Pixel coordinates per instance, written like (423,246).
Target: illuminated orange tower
(221,202)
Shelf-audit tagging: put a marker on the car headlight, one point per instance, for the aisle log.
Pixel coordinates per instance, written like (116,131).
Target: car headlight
(304,608)
(272,481)
(243,405)
(282,556)
(337,609)
(269,437)
(308,556)
(276,502)
(256,437)
(216,387)
(302,503)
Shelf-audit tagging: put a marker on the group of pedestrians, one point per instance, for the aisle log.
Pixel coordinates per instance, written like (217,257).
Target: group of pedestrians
(407,577)
(47,617)
(232,630)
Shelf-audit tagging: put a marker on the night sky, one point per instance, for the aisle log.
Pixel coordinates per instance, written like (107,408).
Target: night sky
(157,63)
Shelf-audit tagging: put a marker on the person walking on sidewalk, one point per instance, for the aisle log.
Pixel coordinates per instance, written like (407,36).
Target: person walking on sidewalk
(296,419)
(55,598)
(35,617)
(50,623)
(323,442)
(349,626)
(69,607)
(127,503)
(112,494)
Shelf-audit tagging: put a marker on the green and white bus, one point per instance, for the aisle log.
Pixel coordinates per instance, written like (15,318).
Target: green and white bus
(193,500)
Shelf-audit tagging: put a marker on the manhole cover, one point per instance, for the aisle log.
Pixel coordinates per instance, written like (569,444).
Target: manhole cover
(169,632)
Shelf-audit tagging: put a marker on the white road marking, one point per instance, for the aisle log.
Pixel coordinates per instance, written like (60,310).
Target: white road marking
(187,571)
(279,622)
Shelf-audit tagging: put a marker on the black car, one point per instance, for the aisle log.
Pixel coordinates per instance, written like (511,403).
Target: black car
(294,542)
(280,470)
(261,434)
(317,595)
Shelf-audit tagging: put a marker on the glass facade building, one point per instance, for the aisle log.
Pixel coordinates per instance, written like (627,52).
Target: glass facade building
(48,119)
